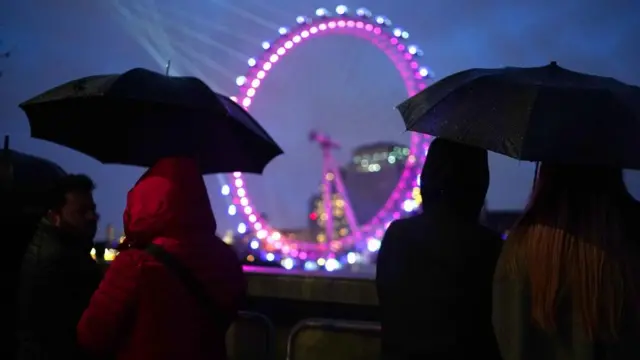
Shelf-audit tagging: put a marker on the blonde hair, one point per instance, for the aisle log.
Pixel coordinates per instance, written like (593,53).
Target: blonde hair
(570,245)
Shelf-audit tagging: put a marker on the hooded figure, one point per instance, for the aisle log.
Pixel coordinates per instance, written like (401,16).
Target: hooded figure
(435,269)
(142,310)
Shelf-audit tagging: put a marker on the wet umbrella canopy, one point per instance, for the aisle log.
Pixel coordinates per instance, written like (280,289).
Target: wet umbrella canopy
(140,116)
(537,114)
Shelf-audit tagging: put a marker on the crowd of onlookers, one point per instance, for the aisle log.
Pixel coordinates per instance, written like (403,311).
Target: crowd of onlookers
(564,284)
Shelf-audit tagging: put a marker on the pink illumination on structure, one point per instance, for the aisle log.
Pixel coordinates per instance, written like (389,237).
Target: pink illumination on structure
(391,41)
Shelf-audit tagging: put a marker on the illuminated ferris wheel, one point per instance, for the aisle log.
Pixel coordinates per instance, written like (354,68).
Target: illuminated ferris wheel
(268,242)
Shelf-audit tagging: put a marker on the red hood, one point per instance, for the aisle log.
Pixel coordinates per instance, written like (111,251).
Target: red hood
(169,200)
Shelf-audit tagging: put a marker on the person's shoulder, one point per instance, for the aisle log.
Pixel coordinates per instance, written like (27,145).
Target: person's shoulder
(44,246)
(406,223)
(491,239)
(489,233)
(134,257)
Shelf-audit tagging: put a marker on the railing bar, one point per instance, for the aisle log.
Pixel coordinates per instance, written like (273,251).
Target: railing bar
(331,325)
(249,315)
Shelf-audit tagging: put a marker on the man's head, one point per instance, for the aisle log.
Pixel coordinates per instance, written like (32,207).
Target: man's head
(71,206)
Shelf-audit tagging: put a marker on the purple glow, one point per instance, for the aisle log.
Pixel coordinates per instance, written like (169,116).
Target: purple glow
(409,69)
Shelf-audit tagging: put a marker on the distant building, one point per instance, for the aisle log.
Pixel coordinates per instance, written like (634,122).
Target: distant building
(373,174)
(370,178)
(318,217)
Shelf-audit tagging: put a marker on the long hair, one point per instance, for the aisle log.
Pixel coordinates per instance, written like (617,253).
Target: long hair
(571,247)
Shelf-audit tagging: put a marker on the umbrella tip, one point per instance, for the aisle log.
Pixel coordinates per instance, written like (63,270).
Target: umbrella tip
(6,143)
(553,63)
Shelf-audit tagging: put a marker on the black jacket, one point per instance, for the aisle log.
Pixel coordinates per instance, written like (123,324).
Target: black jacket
(57,280)
(434,271)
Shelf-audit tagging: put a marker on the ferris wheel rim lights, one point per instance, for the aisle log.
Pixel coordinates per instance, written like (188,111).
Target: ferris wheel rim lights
(391,40)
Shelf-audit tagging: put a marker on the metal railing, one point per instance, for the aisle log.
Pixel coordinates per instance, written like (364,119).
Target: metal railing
(270,331)
(336,326)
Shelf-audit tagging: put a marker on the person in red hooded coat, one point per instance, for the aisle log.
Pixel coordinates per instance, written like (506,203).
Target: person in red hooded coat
(142,310)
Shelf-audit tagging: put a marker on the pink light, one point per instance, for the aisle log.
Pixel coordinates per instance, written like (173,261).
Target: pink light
(248,210)
(239,182)
(241,192)
(407,68)
(237,174)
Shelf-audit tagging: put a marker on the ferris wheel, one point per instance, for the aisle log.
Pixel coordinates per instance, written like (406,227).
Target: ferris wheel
(268,242)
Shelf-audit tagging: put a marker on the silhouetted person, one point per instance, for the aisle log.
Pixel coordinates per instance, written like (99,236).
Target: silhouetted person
(435,270)
(566,284)
(143,309)
(58,275)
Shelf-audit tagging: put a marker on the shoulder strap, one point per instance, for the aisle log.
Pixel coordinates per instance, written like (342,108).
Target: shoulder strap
(191,283)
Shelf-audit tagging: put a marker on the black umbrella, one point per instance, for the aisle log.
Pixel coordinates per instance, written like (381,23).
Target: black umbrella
(537,114)
(140,116)
(26,179)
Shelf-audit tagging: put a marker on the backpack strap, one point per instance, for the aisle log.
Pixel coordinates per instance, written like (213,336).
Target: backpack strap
(221,319)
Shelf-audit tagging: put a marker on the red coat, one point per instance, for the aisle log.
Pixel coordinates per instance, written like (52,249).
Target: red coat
(141,310)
